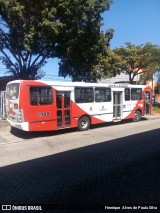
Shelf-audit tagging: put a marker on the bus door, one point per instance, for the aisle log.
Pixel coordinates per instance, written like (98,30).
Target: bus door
(147,102)
(117,105)
(63,109)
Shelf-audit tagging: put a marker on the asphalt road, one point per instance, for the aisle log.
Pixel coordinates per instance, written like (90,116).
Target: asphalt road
(108,165)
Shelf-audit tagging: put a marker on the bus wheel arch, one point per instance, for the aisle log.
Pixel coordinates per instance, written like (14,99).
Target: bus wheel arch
(84,123)
(137,115)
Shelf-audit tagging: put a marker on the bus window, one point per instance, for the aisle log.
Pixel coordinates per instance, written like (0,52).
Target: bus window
(41,95)
(136,94)
(12,91)
(127,94)
(66,99)
(59,100)
(83,95)
(102,94)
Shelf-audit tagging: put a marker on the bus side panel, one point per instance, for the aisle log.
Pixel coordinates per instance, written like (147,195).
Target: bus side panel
(78,112)
(132,106)
(43,126)
(39,117)
(103,111)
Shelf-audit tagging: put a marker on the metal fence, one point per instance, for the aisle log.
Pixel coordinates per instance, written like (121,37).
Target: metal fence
(2,105)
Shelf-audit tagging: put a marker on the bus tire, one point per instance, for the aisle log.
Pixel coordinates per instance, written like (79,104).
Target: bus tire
(84,123)
(137,116)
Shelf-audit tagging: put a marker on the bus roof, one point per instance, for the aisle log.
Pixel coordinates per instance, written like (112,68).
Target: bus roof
(73,84)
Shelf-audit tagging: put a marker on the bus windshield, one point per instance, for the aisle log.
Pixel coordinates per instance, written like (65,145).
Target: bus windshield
(12,91)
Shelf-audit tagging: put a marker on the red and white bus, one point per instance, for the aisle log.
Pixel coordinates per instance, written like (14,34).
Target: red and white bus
(35,105)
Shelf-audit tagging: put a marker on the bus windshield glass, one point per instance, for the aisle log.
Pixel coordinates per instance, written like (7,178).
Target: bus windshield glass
(12,91)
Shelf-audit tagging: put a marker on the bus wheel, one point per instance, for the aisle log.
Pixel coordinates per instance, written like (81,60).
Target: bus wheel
(137,116)
(84,123)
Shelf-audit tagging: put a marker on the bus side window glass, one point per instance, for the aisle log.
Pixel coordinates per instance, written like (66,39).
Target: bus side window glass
(88,95)
(59,100)
(34,96)
(83,95)
(136,94)
(77,95)
(67,99)
(41,95)
(127,94)
(46,95)
(102,94)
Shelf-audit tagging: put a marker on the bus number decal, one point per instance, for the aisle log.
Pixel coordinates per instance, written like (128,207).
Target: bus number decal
(43,114)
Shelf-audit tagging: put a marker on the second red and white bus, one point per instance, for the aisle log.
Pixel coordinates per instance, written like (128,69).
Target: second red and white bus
(34,105)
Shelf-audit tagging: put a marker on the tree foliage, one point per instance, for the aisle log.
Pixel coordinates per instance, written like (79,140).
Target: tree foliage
(25,27)
(90,64)
(83,53)
(138,59)
(33,31)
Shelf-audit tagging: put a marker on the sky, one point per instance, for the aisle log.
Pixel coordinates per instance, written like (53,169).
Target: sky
(135,21)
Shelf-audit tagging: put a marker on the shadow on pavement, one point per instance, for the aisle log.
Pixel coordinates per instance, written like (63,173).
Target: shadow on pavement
(124,171)
(29,135)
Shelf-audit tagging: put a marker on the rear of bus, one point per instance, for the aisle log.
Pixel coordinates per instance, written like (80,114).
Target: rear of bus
(30,105)
(14,113)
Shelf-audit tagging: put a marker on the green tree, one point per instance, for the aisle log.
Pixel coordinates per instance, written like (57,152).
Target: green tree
(137,60)
(33,31)
(90,64)
(80,54)
(25,25)
(106,60)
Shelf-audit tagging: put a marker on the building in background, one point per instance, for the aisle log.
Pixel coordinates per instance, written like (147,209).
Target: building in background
(122,78)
